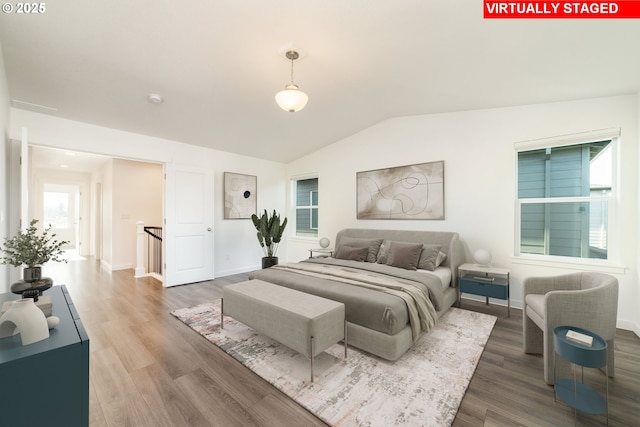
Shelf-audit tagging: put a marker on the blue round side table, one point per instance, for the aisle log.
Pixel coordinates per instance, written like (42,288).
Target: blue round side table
(578,395)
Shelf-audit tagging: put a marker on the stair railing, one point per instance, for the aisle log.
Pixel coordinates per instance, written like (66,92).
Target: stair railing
(153,236)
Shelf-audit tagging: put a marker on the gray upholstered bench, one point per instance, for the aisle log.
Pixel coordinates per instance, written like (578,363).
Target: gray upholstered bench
(305,323)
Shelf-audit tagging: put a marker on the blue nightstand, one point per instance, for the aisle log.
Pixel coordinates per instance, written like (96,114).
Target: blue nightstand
(580,396)
(489,282)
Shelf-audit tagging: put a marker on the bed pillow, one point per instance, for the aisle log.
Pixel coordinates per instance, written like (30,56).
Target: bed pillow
(351,253)
(429,257)
(404,255)
(426,256)
(383,253)
(441,258)
(373,246)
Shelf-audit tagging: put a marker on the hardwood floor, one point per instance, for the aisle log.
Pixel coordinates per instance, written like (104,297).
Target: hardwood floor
(149,369)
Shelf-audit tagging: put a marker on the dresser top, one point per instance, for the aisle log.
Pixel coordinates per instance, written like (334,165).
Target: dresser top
(65,334)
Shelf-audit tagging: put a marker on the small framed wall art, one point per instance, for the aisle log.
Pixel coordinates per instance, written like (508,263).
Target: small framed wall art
(403,192)
(240,195)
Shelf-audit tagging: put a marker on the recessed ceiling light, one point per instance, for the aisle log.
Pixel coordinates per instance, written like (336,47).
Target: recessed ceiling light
(154,98)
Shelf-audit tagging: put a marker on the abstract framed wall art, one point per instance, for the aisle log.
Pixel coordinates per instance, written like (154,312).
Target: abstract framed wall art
(403,192)
(240,195)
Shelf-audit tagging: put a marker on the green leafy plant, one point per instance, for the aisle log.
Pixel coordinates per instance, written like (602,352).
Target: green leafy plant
(269,231)
(29,248)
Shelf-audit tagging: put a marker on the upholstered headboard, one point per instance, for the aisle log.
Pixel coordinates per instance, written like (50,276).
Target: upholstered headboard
(449,242)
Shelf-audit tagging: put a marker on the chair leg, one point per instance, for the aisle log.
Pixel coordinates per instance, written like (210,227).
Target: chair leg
(611,358)
(532,336)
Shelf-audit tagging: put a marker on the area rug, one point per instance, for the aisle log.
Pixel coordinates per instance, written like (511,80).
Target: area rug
(423,388)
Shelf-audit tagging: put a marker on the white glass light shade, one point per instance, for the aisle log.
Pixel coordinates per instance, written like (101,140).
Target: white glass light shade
(291,99)
(324,242)
(482,257)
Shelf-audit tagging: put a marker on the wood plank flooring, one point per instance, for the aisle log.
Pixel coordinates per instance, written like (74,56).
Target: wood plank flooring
(149,369)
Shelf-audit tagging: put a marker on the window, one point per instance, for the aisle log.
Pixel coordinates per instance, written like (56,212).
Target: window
(306,194)
(565,194)
(56,209)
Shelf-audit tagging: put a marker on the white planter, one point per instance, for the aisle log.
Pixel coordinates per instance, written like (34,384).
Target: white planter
(25,318)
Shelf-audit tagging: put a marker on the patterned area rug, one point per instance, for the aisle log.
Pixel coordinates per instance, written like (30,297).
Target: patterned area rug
(423,388)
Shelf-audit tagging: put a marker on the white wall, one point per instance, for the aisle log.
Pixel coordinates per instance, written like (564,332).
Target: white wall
(138,198)
(478,152)
(131,192)
(5,105)
(236,248)
(635,298)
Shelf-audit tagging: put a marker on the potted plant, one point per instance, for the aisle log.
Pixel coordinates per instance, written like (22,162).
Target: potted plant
(270,231)
(29,249)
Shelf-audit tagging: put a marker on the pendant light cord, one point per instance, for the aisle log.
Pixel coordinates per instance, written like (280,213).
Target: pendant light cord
(291,70)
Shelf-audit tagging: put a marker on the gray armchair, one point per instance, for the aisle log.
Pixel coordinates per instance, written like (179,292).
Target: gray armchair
(586,300)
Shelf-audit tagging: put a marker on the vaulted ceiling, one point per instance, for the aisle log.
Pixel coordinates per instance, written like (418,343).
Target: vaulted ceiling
(218,65)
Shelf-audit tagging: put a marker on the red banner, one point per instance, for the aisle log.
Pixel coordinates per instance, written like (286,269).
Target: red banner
(622,9)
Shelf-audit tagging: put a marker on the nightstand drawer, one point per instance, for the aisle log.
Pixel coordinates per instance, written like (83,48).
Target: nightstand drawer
(487,289)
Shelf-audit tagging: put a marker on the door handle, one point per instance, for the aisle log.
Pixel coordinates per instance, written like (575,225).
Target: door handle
(209,229)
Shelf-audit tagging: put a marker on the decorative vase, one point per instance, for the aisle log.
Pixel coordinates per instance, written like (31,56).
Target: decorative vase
(31,274)
(31,280)
(25,318)
(269,261)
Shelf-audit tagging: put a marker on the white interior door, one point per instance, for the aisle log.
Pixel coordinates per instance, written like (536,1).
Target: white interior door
(188,208)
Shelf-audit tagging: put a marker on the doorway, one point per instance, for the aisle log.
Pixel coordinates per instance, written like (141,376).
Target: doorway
(61,210)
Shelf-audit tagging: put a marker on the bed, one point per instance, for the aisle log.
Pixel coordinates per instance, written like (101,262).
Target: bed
(395,284)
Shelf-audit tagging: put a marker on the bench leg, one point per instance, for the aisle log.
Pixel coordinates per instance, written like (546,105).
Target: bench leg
(345,339)
(221,313)
(313,350)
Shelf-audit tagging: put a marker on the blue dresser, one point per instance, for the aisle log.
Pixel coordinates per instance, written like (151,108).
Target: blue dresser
(47,383)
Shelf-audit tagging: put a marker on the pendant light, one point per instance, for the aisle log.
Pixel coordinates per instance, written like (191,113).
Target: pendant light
(291,99)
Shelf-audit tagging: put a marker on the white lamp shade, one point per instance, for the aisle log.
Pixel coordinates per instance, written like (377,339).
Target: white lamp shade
(324,242)
(482,257)
(291,99)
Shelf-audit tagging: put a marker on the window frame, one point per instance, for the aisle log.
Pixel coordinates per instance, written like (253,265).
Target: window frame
(610,263)
(310,207)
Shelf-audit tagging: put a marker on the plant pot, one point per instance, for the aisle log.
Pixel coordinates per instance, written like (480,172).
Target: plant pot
(31,280)
(269,261)
(31,274)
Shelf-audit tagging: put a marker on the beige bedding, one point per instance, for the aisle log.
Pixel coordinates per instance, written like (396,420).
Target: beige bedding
(422,314)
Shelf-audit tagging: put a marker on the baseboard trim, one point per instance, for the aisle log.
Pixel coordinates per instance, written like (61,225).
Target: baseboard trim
(628,326)
(224,273)
(105,265)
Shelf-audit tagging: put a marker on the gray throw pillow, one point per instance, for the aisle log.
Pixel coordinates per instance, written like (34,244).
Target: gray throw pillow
(429,257)
(373,245)
(350,253)
(427,260)
(383,253)
(404,255)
